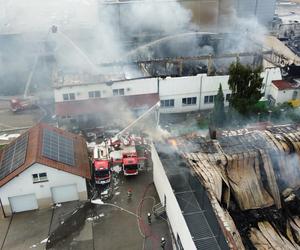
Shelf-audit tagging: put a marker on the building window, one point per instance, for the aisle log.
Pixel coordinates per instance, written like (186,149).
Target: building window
(167,103)
(209,99)
(228,97)
(189,101)
(94,94)
(39,177)
(118,92)
(69,97)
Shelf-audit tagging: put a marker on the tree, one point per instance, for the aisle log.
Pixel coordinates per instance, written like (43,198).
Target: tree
(218,115)
(245,84)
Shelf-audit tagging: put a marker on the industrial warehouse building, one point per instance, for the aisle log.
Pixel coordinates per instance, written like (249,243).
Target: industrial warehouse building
(229,193)
(81,96)
(192,219)
(43,166)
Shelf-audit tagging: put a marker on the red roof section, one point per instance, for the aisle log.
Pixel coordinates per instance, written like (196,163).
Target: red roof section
(34,154)
(91,106)
(101,164)
(129,161)
(282,84)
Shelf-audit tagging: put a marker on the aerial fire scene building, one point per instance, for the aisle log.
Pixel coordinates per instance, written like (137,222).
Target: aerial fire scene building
(240,191)
(43,166)
(83,97)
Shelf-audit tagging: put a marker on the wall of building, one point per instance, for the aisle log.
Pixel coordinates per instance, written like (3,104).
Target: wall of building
(173,210)
(282,96)
(131,87)
(191,86)
(269,75)
(200,87)
(23,184)
(273,91)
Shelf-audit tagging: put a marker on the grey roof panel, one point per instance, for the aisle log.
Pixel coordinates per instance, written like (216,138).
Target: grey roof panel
(14,155)
(58,147)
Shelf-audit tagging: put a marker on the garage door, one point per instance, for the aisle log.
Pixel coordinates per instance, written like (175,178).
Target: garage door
(23,203)
(64,193)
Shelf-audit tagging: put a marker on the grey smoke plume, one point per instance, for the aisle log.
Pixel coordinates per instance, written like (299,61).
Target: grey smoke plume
(95,32)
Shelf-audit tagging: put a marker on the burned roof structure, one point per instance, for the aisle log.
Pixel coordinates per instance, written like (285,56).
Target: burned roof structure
(252,178)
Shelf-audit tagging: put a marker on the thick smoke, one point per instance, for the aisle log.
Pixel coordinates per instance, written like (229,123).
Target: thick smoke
(155,16)
(90,33)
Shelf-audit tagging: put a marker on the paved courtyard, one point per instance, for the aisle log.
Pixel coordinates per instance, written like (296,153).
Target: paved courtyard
(120,223)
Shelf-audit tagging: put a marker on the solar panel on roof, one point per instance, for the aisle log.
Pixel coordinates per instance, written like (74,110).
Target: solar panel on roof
(13,155)
(57,147)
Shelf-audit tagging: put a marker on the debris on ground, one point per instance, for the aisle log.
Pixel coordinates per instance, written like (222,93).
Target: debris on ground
(97,202)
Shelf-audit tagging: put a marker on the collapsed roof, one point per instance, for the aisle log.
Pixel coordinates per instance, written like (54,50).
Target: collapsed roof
(252,179)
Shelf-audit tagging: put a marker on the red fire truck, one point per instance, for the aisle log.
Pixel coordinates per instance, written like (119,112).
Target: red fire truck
(102,171)
(17,104)
(102,165)
(130,161)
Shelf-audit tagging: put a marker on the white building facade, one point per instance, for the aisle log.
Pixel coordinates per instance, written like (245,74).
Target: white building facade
(167,197)
(192,219)
(177,94)
(283,91)
(40,186)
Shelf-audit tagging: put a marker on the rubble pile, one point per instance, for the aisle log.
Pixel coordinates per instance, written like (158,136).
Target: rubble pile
(253,180)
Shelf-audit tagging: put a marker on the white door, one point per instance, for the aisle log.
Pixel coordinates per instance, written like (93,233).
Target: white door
(23,203)
(64,193)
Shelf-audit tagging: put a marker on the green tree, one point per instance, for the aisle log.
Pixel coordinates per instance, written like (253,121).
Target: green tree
(218,114)
(245,84)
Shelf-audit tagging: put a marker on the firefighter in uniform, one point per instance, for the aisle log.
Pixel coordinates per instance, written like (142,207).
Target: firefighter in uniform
(129,192)
(149,218)
(163,243)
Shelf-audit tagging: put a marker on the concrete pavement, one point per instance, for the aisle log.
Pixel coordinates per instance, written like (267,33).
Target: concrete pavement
(111,226)
(4,225)
(28,229)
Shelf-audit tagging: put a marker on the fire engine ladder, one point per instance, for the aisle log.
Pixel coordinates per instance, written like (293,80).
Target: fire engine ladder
(149,111)
(159,209)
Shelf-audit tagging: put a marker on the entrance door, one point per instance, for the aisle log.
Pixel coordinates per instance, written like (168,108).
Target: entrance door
(64,193)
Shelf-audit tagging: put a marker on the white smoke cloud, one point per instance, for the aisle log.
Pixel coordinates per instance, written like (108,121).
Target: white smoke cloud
(92,32)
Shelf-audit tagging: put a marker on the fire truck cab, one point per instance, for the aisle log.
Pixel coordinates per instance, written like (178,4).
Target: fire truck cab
(101,165)
(102,173)
(130,162)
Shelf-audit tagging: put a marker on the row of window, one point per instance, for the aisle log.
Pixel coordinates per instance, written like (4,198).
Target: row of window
(164,103)
(211,98)
(189,101)
(185,101)
(93,94)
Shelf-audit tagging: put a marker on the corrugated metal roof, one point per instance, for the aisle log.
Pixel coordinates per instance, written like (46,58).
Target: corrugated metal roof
(195,216)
